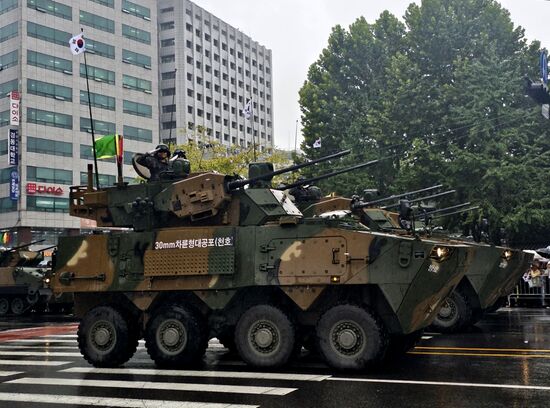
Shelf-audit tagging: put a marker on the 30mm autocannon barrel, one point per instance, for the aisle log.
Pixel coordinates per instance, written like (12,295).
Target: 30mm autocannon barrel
(233,185)
(396,196)
(456,212)
(416,200)
(327,175)
(454,207)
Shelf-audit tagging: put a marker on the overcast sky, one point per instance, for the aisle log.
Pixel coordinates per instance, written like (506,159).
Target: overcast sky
(297,30)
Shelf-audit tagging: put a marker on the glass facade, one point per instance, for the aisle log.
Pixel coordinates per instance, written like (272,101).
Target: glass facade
(3,147)
(48,146)
(47,175)
(48,34)
(100,127)
(49,62)
(52,7)
(6,87)
(98,100)
(136,34)
(134,133)
(108,3)
(138,84)
(134,58)
(7,5)
(9,31)
(7,205)
(48,204)
(138,109)
(136,10)
(104,179)
(99,48)
(98,22)
(98,74)
(61,93)
(48,118)
(9,60)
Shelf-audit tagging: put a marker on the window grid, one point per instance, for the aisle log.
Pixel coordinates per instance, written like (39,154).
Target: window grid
(48,118)
(61,93)
(48,146)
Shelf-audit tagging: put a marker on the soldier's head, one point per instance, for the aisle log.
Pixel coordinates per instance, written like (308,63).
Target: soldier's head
(162,151)
(179,154)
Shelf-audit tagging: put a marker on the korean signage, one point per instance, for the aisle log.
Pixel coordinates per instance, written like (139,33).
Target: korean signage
(14,108)
(33,188)
(195,243)
(13,148)
(14,185)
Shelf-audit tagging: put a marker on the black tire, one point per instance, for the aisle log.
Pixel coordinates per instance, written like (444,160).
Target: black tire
(455,314)
(4,306)
(176,336)
(105,338)
(350,338)
(18,306)
(265,336)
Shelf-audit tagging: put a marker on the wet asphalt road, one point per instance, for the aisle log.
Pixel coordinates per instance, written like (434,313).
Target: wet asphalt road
(504,361)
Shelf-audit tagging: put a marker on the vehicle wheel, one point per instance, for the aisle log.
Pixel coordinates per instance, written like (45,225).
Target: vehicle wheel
(454,315)
(176,336)
(350,338)
(18,306)
(4,306)
(265,336)
(104,337)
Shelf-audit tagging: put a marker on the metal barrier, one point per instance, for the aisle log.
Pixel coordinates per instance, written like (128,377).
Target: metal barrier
(533,293)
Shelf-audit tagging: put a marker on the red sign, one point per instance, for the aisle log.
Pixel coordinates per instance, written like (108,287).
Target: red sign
(14,108)
(33,188)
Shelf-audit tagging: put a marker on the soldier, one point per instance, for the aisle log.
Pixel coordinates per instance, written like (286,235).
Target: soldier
(156,161)
(179,164)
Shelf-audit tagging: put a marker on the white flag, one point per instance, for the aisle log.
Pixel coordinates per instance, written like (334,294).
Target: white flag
(247,110)
(317,144)
(77,44)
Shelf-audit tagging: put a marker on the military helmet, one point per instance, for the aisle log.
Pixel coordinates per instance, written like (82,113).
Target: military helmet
(162,148)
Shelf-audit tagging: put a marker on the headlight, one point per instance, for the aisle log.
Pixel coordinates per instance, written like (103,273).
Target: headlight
(507,254)
(440,253)
(47,280)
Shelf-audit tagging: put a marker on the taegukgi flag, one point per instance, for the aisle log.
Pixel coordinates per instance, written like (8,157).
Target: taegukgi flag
(247,110)
(77,44)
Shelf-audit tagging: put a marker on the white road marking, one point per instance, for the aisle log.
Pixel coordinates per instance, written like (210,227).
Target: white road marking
(111,402)
(443,383)
(40,353)
(146,385)
(195,373)
(33,363)
(427,337)
(8,373)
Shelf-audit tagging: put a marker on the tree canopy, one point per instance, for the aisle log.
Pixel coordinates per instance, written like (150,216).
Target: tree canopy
(438,97)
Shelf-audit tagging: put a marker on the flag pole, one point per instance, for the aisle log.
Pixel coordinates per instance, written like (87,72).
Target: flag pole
(172,112)
(252,123)
(91,118)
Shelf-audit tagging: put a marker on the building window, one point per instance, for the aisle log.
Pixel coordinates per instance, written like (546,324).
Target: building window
(137,84)
(51,7)
(87,153)
(49,62)
(136,108)
(7,5)
(8,31)
(169,125)
(136,34)
(108,3)
(7,204)
(58,92)
(168,43)
(100,127)
(4,118)
(7,87)
(189,27)
(169,108)
(47,175)
(48,118)
(95,21)
(167,58)
(169,75)
(98,74)
(48,204)
(134,58)
(134,133)
(167,26)
(48,34)
(98,100)
(99,48)
(48,146)
(167,10)
(104,179)
(189,92)
(3,147)
(136,10)
(169,91)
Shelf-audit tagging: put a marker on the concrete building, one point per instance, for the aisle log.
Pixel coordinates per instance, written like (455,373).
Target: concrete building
(133,51)
(219,69)
(54,136)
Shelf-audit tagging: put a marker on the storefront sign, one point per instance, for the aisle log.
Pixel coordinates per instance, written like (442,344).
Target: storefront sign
(33,188)
(14,108)
(14,185)
(13,147)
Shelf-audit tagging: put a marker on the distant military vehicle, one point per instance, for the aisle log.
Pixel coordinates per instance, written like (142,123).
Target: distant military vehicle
(207,257)
(492,270)
(22,280)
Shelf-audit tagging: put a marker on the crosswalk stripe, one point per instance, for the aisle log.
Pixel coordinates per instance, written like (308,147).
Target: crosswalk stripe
(41,340)
(40,353)
(235,389)
(60,336)
(111,402)
(195,373)
(8,373)
(16,347)
(33,363)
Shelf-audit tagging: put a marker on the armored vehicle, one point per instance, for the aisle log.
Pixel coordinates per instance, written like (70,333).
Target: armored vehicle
(22,284)
(492,270)
(213,255)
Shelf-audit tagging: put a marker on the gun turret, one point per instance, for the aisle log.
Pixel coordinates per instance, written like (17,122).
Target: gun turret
(395,197)
(236,184)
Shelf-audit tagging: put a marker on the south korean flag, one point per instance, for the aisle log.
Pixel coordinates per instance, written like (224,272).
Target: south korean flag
(77,44)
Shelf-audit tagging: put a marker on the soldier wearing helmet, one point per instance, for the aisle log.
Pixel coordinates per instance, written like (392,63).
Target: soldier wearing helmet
(157,161)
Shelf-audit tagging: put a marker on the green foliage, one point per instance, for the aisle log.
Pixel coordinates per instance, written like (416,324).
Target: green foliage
(438,99)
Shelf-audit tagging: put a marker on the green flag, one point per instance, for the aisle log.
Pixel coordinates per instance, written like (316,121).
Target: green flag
(108,146)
